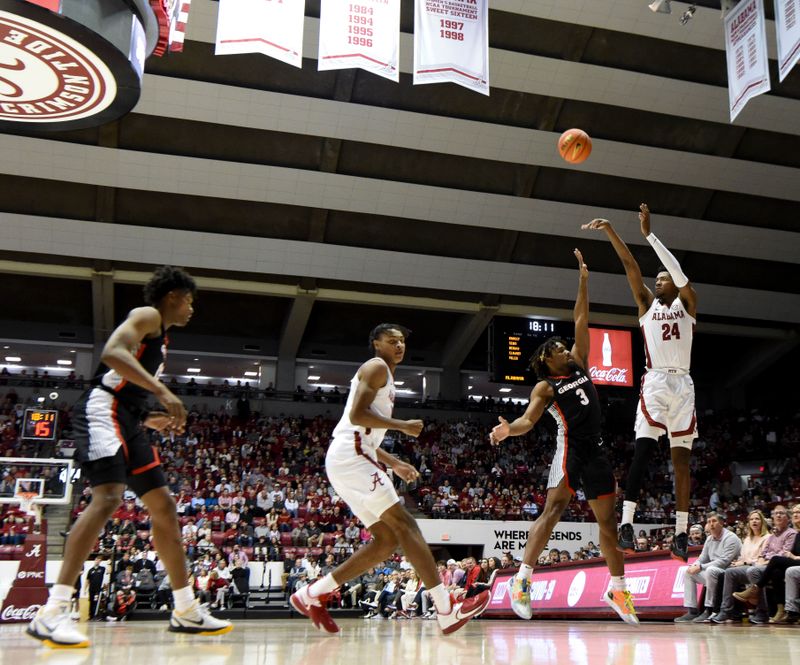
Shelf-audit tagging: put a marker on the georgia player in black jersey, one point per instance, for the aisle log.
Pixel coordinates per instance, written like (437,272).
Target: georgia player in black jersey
(567,393)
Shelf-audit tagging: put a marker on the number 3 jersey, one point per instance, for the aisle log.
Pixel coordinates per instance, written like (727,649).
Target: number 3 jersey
(667,331)
(575,406)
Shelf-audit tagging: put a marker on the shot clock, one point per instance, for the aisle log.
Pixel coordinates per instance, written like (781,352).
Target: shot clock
(40,424)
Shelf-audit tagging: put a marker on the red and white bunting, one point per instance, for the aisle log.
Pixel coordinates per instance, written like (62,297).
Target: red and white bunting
(787,25)
(360,33)
(746,49)
(271,27)
(451,43)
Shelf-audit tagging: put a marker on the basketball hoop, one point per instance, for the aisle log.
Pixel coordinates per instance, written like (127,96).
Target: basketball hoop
(26,504)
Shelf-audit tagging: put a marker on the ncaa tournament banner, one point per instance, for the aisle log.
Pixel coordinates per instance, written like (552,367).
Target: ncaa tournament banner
(361,33)
(746,50)
(271,27)
(451,43)
(787,25)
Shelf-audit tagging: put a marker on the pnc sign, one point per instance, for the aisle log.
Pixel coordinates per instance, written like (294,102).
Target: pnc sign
(80,66)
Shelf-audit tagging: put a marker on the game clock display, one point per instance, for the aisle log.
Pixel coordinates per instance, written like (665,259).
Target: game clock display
(40,424)
(512,342)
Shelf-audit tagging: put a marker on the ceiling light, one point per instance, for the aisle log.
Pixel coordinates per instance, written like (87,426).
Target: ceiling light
(505,390)
(311,367)
(13,359)
(469,387)
(399,383)
(6,346)
(661,6)
(193,370)
(72,351)
(63,362)
(313,378)
(197,360)
(251,373)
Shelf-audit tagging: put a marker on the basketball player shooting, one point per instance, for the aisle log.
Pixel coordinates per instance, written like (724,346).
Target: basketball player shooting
(567,393)
(114,450)
(666,399)
(356,467)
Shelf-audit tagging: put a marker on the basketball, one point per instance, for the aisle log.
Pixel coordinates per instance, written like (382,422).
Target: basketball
(575,146)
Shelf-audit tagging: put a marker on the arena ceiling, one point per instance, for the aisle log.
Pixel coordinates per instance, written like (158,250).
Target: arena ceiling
(313,205)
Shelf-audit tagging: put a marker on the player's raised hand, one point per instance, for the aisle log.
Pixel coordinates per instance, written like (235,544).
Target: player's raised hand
(499,432)
(644,219)
(412,427)
(598,224)
(581,265)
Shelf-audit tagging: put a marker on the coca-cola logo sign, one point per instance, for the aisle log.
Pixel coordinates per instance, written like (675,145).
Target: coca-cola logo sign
(613,375)
(11,613)
(610,357)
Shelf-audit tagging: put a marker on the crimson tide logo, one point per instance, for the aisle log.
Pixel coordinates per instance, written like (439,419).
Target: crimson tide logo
(46,76)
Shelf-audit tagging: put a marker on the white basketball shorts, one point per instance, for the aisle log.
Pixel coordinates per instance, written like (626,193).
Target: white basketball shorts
(666,406)
(363,485)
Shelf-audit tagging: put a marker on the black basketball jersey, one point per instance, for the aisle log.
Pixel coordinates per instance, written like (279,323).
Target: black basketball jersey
(151,354)
(575,405)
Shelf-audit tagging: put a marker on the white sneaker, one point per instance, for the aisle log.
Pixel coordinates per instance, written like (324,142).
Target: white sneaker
(519,593)
(52,625)
(462,612)
(197,620)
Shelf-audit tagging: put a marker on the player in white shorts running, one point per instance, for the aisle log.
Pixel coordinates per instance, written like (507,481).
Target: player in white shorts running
(666,399)
(356,467)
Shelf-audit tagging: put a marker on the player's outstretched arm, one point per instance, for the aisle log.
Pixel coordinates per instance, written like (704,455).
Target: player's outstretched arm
(687,293)
(580,350)
(371,378)
(541,395)
(641,294)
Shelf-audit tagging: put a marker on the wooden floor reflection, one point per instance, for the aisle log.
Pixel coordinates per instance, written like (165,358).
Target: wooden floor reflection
(295,642)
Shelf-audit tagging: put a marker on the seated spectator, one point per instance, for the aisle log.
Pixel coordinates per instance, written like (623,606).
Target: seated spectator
(124,602)
(775,572)
(240,581)
(792,597)
(696,535)
(217,589)
(738,573)
(300,535)
(314,534)
(720,549)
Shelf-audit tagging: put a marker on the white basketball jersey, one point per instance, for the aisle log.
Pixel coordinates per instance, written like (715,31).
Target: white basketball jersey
(667,331)
(350,439)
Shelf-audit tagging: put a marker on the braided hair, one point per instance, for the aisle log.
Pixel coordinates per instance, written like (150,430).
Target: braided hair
(538,361)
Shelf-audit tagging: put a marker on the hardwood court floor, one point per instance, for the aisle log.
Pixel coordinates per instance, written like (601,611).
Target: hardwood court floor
(296,642)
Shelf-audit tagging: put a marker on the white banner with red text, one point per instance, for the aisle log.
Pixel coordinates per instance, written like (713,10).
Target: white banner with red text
(787,26)
(746,50)
(360,33)
(271,27)
(451,43)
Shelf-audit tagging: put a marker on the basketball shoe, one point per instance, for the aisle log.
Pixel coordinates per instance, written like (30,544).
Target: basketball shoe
(625,540)
(197,620)
(462,612)
(622,603)
(314,610)
(52,625)
(519,591)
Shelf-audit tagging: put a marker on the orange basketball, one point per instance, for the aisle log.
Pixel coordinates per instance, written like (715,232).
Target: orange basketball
(575,146)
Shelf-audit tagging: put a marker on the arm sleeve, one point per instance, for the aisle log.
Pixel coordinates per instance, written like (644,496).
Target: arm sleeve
(669,261)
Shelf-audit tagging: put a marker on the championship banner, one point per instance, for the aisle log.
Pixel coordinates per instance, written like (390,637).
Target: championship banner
(787,26)
(271,27)
(451,43)
(746,50)
(364,34)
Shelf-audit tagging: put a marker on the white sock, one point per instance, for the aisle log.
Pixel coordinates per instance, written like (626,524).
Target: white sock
(525,572)
(60,593)
(628,510)
(441,598)
(183,598)
(681,521)
(618,583)
(326,585)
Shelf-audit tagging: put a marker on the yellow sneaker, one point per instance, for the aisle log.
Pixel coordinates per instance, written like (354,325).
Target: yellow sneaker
(622,603)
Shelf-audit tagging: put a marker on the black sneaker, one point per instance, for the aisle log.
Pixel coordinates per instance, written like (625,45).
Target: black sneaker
(680,547)
(625,541)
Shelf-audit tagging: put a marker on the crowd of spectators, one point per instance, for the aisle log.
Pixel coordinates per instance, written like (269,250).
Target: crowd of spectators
(251,487)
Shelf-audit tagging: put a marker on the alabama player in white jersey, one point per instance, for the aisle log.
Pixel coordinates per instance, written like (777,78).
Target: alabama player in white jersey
(666,400)
(356,467)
